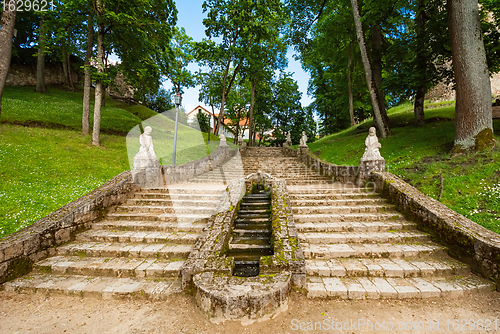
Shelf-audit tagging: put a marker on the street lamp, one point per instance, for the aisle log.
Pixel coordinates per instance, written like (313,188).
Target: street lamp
(209,129)
(177,100)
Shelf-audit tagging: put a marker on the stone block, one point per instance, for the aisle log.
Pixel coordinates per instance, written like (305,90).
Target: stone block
(31,244)
(335,287)
(13,250)
(386,290)
(316,290)
(62,235)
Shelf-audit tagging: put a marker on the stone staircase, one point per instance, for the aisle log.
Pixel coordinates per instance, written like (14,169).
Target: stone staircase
(138,248)
(356,244)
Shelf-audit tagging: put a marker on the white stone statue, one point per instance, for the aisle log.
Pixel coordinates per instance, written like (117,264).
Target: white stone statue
(372,146)
(146,162)
(240,140)
(288,139)
(222,140)
(146,155)
(303,140)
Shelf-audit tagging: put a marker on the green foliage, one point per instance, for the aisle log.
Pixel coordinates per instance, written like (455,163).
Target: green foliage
(203,122)
(160,101)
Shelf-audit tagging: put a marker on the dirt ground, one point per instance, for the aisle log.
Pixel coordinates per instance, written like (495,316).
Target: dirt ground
(66,314)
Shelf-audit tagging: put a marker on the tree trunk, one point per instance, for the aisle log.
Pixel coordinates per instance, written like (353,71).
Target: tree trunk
(65,68)
(349,84)
(99,86)
(6,34)
(70,78)
(418,108)
(88,77)
(40,62)
(473,119)
(421,63)
(372,88)
(250,114)
(376,62)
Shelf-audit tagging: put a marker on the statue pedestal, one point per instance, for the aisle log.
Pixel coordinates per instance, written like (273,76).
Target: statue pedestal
(303,149)
(366,166)
(147,172)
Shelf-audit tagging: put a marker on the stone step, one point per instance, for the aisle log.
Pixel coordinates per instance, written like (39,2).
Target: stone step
(186,189)
(303,180)
(170,217)
(111,267)
(224,181)
(402,268)
(156,209)
(178,197)
(207,202)
(352,250)
(138,237)
(332,188)
(332,196)
(138,225)
(102,287)
(339,209)
(395,288)
(347,217)
(133,250)
(375,226)
(321,201)
(364,237)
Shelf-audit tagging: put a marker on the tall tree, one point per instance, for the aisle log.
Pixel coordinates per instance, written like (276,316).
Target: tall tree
(88,73)
(375,96)
(40,65)
(182,49)
(6,35)
(473,119)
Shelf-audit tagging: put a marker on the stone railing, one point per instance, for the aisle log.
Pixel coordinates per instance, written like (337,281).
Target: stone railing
(345,174)
(21,249)
(211,271)
(466,240)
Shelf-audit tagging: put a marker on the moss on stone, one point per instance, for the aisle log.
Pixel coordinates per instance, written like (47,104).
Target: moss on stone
(485,140)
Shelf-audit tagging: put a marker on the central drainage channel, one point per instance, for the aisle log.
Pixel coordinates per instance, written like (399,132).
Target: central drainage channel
(251,235)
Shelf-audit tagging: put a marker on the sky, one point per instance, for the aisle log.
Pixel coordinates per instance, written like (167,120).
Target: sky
(190,17)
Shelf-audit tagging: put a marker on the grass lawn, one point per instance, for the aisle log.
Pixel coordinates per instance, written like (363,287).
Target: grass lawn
(421,156)
(43,169)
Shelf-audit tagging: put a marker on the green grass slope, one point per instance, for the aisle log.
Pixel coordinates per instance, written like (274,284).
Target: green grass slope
(420,156)
(46,162)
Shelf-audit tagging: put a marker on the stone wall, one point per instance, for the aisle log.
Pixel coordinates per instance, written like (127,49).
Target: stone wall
(466,240)
(23,75)
(20,250)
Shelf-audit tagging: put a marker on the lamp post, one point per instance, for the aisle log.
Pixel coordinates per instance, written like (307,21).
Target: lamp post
(209,129)
(177,100)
